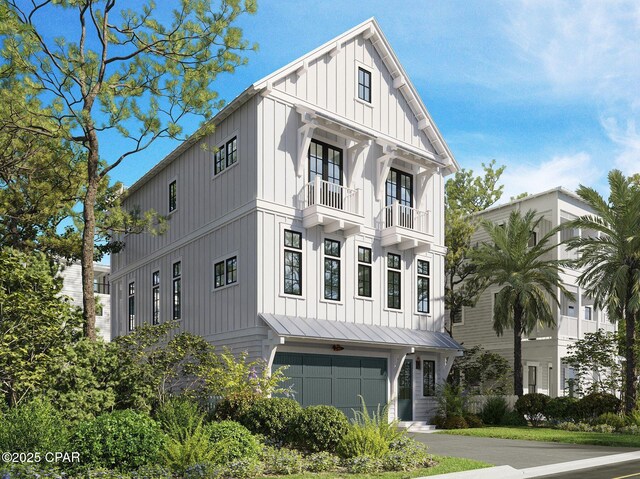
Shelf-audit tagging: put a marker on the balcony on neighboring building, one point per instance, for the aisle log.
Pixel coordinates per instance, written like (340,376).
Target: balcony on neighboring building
(406,227)
(332,205)
(101,284)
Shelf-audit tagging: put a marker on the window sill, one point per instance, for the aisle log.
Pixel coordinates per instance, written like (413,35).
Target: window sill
(218,175)
(337,302)
(392,310)
(365,103)
(226,286)
(291,296)
(170,213)
(364,298)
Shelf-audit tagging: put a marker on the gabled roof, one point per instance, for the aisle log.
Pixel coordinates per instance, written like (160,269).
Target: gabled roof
(370,30)
(558,190)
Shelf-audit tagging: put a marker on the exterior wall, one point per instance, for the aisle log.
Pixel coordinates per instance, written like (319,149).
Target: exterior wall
(72,287)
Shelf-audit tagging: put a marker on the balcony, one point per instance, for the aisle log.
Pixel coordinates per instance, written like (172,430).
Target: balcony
(334,206)
(101,287)
(406,227)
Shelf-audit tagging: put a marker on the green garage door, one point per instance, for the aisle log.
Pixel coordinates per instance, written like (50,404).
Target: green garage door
(335,380)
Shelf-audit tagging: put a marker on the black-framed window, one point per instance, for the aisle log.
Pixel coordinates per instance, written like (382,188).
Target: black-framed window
(173,196)
(132,305)
(533,379)
(155,297)
(364,271)
(428,378)
(399,187)
(364,84)
(292,262)
(325,161)
(533,239)
(232,151)
(177,290)
(332,269)
(394,274)
(423,281)
(219,159)
(225,272)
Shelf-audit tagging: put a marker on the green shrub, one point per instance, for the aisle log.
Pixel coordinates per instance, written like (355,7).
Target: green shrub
(561,409)
(179,415)
(231,409)
(473,420)
(633,429)
(494,410)
(633,418)
(102,473)
(121,440)
(532,406)
(27,471)
(248,468)
(438,421)
(35,426)
(451,401)
(455,422)
(405,454)
(282,461)
(320,428)
(614,420)
(513,418)
(604,428)
(231,441)
(203,470)
(322,462)
(363,465)
(187,446)
(575,426)
(593,405)
(274,418)
(151,472)
(362,441)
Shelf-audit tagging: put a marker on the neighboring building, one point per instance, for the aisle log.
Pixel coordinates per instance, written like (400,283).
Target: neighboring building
(544,349)
(72,287)
(309,233)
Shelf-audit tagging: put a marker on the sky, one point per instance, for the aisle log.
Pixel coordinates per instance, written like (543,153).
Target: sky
(551,89)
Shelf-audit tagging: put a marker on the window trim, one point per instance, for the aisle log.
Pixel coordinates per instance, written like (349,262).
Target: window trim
(175,279)
(155,288)
(221,147)
(373,87)
(368,265)
(418,276)
(325,160)
(223,260)
(366,89)
(281,249)
(401,173)
(172,181)
(386,281)
(131,295)
(324,257)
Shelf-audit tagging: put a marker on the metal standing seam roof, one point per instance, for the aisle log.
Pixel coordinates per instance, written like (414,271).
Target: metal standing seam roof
(322,329)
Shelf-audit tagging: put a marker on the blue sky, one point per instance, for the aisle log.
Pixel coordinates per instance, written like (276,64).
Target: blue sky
(550,89)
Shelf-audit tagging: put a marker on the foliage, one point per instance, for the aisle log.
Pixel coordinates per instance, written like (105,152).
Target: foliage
(28,471)
(248,468)
(595,362)
(177,415)
(561,409)
(120,440)
(363,464)
(187,445)
(34,426)
(612,419)
(451,401)
(610,262)
(135,73)
(532,406)
(231,441)
(465,194)
(593,405)
(482,372)
(473,420)
(405,454)
(320,428)
(455,422)
(275,418)
(36,322)
(494,410)
(233,409)
(513,418)
(151,472)
(322,461)
(282,461)
(527,278)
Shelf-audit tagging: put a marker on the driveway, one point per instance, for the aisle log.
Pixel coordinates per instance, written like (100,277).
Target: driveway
(516,453)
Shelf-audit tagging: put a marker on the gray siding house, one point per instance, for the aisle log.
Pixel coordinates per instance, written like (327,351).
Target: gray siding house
(544,370)
(308,233)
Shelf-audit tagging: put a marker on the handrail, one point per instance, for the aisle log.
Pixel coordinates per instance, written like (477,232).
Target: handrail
(331,195)
(406,217)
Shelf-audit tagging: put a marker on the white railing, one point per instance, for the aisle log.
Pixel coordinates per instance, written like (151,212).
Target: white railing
(331,195)
(406,217)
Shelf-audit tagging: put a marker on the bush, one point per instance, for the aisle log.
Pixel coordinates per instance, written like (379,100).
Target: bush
(405,454)
(451,401)
(363,465)
(322,462)
(494,410)
(203,470)
(231,409)
(438,421)
(362,441)
(455,422)
(282,461)
(614,420)
(179,415)
(633,418)
(320,428)
(593,405)
(575,426)
(28,471)
(513,418)
(473,420)
(561,409)
(532,406)
(231,442)
(35,426)
(604,428)
(633,429)
(243,469)
(152,472)
(186,447)
(121,440)
(274,418)
(102,473)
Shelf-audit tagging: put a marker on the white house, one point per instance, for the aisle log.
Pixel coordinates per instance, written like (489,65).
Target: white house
(543,351)
(72,287)
(309,232)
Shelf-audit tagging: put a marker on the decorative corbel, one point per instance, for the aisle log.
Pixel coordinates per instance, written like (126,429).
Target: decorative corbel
(354,154)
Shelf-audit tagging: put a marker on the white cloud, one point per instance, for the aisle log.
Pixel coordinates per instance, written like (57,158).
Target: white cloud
(568,171)
(627,141)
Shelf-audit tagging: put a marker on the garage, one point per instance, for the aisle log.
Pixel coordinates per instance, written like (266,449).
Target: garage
(335,380)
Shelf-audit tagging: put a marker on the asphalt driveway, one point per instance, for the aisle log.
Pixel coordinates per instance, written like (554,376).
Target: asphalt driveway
(516,453)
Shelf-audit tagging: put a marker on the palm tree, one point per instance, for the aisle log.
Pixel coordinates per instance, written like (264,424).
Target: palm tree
(527,279)
(610,256)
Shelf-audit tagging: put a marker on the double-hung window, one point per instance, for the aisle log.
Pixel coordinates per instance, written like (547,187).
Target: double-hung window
(292,262)
(177,290)
(173,196)
(364,271)
(225,272)
(428,378)
(155,297)
(332,270)
(364,84)
(423,286)
(132,305)
(394,265)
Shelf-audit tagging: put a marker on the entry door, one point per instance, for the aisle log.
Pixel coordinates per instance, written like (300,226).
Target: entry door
(405,391)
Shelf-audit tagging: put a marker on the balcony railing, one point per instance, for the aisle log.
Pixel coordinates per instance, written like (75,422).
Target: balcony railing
(331,195)
(406,217)
(101,288)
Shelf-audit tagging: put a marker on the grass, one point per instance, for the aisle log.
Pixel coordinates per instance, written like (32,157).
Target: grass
(444,465)
(550,435)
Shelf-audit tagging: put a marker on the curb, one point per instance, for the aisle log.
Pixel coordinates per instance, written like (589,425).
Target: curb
(498,472)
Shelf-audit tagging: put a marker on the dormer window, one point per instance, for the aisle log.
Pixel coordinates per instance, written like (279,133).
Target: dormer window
(364,84)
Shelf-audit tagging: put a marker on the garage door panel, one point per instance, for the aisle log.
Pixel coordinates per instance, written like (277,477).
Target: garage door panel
(374,368)
(374,392)
(347,367)
(345,393)
(292,361)
(316,391)
(317,366)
